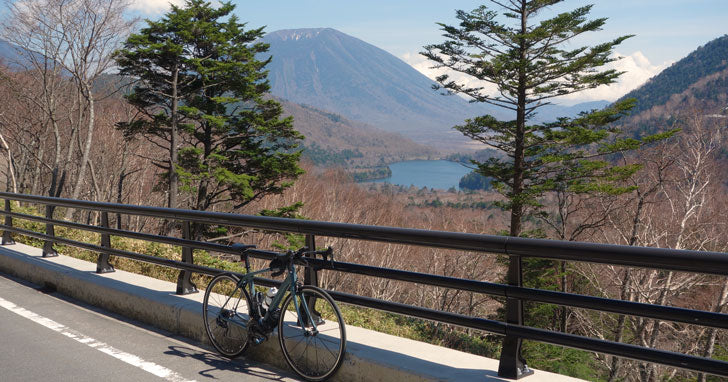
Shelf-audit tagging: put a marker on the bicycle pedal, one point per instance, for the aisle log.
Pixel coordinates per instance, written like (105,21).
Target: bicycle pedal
(258,339)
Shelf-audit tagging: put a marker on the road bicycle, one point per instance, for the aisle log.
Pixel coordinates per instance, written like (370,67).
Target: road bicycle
(311,330)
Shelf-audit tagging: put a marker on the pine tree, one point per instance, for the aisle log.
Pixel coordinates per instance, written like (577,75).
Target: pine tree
(529,61)
(525,60)
(201,91)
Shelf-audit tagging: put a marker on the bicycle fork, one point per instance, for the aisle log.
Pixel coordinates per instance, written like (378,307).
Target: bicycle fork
(307,316)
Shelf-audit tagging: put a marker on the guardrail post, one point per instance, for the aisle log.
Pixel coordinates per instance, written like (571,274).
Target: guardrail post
(184,284)
(7,235)
(512,365)
(48,250)
(102,264)
(310,275)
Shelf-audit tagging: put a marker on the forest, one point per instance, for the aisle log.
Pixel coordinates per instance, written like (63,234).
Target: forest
(69,129)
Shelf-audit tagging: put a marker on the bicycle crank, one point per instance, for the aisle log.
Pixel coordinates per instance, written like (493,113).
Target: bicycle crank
(257,335)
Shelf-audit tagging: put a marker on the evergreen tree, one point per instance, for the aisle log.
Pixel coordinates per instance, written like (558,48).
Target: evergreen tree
(529,61)
(474,181)
(523,57)
(200,91)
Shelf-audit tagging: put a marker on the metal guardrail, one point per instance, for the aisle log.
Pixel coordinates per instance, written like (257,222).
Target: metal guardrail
(511,366)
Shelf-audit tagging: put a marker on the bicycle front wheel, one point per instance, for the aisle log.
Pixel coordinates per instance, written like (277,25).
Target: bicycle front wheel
(312,333)
(226,312)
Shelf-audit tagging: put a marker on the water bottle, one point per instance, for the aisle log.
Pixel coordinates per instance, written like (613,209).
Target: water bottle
(269,295)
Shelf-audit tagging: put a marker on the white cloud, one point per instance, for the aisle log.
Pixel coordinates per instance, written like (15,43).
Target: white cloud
(424,66)
(153,6)
(637,66)
(638,70)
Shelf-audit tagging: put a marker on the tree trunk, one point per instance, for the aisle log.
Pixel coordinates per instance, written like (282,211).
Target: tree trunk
(11,172)
(120,185)
(95,184)
(57,180)
(649,368)
(172,197)
(514,307)
(86,93)
(173,158)
(36,175)
(58,174)
(713,332)
(625,292)
(203,200)
(22,172)
(564,309)
(616,363)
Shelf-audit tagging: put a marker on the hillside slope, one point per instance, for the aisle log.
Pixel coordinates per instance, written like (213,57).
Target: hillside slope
(708,96)
(330,70)
(695,85)
(707,60)
(332,140)
(16,58)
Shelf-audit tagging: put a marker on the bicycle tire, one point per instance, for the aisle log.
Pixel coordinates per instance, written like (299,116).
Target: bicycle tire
(226,312)
(315,356)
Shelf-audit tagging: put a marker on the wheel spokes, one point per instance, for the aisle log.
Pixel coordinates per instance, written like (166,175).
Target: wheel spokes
(313,341)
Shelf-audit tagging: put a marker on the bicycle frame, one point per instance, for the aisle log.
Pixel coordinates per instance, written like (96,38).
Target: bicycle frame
(288,284)
(232,326)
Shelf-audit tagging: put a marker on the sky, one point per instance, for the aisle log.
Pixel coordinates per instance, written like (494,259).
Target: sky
(665,30)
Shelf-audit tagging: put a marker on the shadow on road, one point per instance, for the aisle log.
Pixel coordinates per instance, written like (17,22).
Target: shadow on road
(218,362)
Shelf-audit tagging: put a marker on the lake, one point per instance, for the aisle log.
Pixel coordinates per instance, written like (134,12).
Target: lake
(439,174)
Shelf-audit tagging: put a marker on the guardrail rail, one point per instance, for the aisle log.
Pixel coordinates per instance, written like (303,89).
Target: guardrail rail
(512,365)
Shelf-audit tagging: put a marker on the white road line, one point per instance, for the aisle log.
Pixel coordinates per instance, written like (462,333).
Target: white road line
(131,359)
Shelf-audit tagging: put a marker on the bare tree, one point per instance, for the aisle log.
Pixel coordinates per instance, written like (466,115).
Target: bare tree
(672,208)
(571,217)
(31,27)
(67,42)
(625,226)
(15,124)
(91,30)
(11,172)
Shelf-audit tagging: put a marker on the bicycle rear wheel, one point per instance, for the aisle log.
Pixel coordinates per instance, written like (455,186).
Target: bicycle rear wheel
(313,338)
(226,312)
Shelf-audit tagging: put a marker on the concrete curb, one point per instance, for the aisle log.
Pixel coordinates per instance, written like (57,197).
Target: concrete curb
(371,356)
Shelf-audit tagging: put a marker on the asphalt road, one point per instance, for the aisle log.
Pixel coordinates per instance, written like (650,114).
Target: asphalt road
(45,336)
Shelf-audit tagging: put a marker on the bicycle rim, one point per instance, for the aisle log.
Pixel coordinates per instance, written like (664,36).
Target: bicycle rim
(314,354)
(226,313)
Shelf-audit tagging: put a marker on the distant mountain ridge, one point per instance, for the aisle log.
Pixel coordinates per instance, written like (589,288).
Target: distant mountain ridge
(10,54)
(709,59)
(332,140)
(333,71)
(336,73)
(15,57)
(696,84)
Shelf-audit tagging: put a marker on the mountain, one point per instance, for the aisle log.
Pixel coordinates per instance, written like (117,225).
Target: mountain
(10,55)
(330,70)
(708,60)
(333,71)
(16,58)
(333,140)
(707,96)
